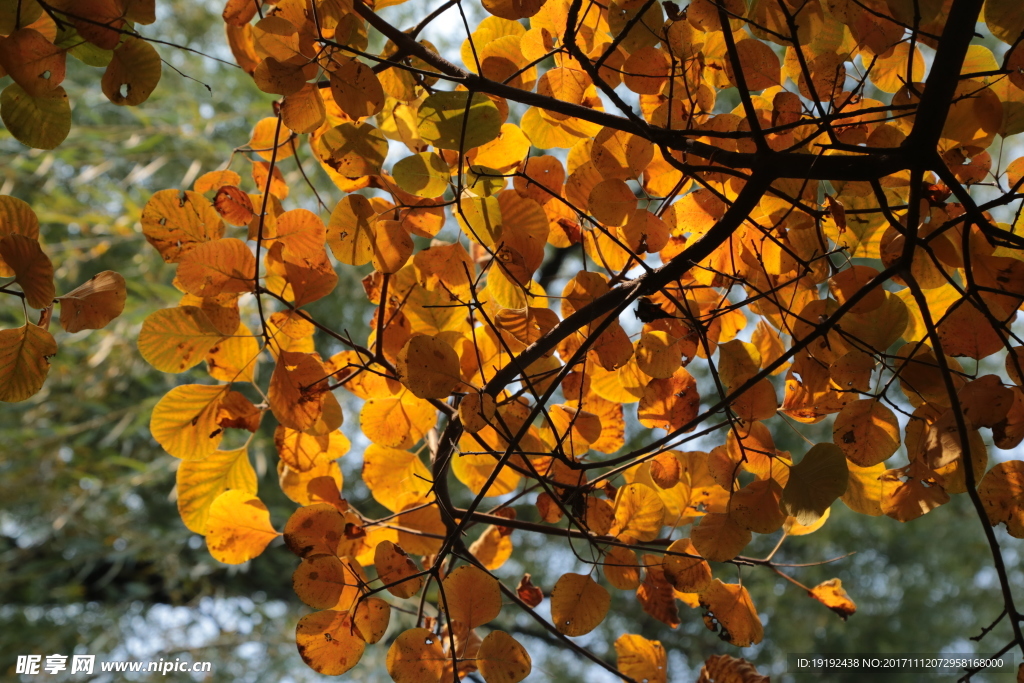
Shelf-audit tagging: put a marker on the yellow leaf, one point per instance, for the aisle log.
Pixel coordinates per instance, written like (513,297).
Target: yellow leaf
(372,618)
(416,657)
(304,111)
(638,513)
(355,87)
(641,659)
(233,359)
(302,451)
(472,596)
(578,604)
(669,403)
(176,339)
(397,421)
(867,432)
(719,538)
(425,175)
(175,222)
(756,506)
(831,594)
(502,659)
(392,247)
(184,421)
(320,484)
(94,303)
(199,482)
(238,527)
(353,149)
(429,367)
(329,642)
(395,478)
(492,548)
(24,361)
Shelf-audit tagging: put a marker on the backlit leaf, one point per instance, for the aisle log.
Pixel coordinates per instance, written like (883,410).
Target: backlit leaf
(454,120)
(24,361)
(732,611)
(641,659)
(32,268)
(199,483)
(578,604)
(238,527)
(815,483)
(94,303)
(472,596)
(502,659)
(329,642)
(176,339)
(416,657)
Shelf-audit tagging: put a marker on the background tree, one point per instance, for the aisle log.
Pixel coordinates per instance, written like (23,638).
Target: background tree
(836,216)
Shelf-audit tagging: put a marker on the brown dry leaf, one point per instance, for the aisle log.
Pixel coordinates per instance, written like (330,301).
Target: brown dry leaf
(32,268)
(726,669)
(94,303)
(529,593)
(1002,493)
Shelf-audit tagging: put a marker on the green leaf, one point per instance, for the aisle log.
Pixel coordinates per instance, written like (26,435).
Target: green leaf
(443,120)
(39,122)
(815,483)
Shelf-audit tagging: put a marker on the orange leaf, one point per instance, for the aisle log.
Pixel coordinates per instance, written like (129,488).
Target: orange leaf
(472,596)
(578,604)
(94,303)
(238,527)
(328,641)
(831,594)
